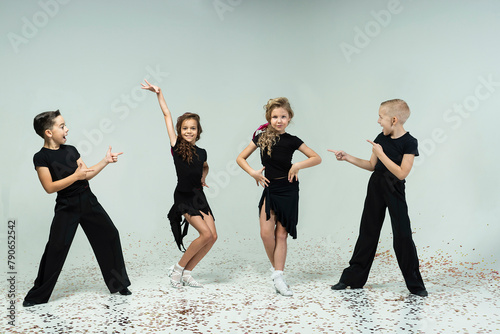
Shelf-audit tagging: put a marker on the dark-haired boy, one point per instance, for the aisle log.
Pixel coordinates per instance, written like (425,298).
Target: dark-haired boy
(392,158)
(61,169)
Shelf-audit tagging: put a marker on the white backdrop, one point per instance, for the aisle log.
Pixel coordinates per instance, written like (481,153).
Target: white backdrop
(335,61)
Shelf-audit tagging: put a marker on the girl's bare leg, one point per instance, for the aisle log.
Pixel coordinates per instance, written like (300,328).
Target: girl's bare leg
(281,247)
(267,233)
(201,245)
(209,221)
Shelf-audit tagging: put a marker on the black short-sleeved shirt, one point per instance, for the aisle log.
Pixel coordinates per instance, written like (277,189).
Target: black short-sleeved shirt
(279,163)
(396,148)
(189,174)
(61,164)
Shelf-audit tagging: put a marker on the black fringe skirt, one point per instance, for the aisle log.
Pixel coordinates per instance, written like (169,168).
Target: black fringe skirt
(192,203)
(282,197)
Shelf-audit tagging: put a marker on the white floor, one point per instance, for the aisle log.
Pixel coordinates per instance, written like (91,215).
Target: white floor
(238,296)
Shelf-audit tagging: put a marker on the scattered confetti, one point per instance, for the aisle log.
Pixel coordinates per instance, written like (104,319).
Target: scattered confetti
(238,295)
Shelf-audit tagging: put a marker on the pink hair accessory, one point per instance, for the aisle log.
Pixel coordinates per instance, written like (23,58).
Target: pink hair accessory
(261,128)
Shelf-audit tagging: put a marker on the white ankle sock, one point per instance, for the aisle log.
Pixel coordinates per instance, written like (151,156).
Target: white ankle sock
(276,274)
(178,268)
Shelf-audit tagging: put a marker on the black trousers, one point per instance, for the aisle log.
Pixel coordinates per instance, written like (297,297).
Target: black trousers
(82,209)
(384,192)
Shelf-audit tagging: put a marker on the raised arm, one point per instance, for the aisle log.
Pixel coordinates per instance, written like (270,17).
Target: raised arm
(364,164)
(313,159)
(164,108)
(241,160)
(401,172)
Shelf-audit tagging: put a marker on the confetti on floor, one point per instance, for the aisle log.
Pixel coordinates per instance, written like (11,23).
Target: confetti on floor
(238,295)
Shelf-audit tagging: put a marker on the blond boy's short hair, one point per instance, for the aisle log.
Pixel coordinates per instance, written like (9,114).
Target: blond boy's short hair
(397,108)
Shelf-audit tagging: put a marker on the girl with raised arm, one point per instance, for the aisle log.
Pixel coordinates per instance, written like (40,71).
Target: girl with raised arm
(189,200)
(279,204)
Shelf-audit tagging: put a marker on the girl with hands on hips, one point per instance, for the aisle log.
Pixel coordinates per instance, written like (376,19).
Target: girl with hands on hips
(258,176)
(279,203)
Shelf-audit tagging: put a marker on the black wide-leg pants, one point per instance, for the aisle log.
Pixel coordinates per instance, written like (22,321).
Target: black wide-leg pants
(82,209)
(384,192)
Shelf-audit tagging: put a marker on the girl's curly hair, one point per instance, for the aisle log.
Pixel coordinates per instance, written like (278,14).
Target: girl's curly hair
(269,136)
(184,148)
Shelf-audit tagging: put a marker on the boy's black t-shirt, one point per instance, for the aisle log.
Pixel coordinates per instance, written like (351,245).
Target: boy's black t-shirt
(61,164)
(189,174)
(396,148)
(279,163)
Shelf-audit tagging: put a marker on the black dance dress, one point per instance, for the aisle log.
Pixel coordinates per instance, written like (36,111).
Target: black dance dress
(188,196)
(281,196)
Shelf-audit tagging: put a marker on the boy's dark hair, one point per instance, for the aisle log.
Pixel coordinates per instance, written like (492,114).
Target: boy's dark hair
(44,121)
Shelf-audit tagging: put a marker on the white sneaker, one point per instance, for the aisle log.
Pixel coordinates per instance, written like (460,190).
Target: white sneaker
(281,287)
(284,280)
(175,277)
(188,280)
